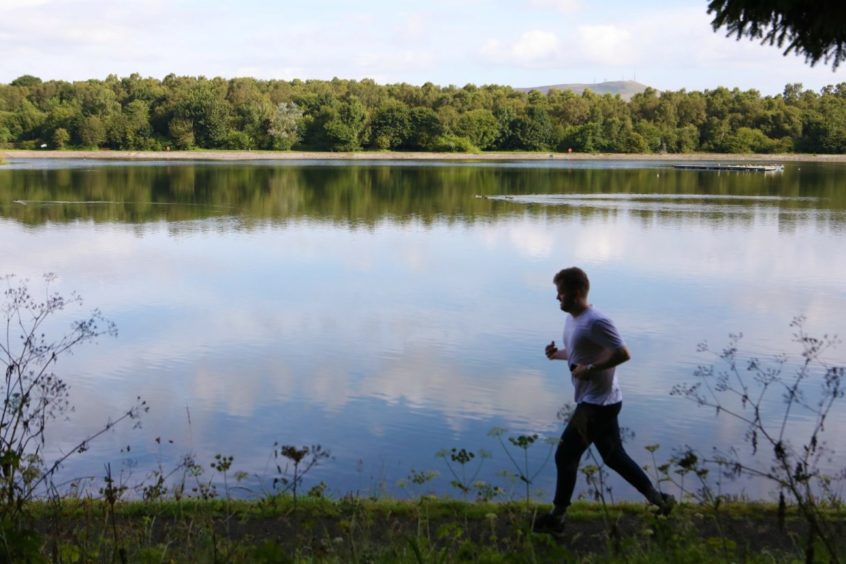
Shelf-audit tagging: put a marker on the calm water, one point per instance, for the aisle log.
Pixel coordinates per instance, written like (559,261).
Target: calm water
(390,310)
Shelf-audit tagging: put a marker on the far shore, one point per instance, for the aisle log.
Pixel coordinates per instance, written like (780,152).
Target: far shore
(405,156)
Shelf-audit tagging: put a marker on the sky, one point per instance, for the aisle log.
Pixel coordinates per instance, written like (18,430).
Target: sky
(668,45)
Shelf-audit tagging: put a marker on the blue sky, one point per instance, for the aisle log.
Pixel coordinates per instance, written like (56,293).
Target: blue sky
(668,45)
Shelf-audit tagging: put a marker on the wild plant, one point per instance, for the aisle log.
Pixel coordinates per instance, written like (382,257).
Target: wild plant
(32,394)
(596,477)
(318,490)
(740,388)
(686,462)
(156,488)
(524,473)
(112,491)
(203,489)
(457,462)
(222,464)
(304,459)
(660,471)
(416,480)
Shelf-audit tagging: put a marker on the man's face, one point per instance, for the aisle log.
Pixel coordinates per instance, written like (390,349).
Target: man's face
(567,298)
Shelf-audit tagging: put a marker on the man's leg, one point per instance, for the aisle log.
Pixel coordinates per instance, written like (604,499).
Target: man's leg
(605,434)
(572,445)
(574,441)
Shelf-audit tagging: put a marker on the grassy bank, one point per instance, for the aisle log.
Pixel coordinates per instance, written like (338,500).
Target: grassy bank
(425,530)
(211,155)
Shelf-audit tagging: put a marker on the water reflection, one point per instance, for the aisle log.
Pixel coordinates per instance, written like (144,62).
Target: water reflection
(387,312)
(366,194)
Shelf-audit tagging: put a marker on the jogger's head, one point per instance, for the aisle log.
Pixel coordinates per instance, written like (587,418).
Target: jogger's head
(573,286)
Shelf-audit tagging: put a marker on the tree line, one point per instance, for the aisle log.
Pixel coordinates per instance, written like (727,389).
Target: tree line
(180,112)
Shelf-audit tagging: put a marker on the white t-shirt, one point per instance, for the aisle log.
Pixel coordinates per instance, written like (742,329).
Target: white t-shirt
(588,338)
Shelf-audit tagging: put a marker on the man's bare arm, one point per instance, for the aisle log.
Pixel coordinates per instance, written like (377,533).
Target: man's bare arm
(616,358)
(554,353)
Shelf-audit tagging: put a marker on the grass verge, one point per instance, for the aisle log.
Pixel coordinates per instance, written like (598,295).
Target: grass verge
(425,530)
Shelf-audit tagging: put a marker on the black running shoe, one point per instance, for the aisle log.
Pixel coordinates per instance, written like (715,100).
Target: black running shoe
(665,506)
(549,523)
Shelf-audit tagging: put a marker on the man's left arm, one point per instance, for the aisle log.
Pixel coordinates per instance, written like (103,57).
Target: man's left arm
(618,356)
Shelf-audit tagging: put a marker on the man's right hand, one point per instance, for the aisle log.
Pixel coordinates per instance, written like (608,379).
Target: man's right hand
(551,350)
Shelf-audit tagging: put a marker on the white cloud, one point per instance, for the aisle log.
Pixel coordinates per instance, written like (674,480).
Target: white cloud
(382,61)
(535,47)
(413,27)
(17,4)
(605,44)
(559,5)
(529,240)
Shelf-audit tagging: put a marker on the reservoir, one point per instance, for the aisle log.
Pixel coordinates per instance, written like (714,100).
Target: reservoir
(390,310)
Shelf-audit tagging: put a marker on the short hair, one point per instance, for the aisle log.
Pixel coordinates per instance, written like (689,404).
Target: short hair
(573,278)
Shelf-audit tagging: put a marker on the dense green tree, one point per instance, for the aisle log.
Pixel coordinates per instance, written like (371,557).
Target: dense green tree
(285,126)
(60,138)
(426,127)
(62,115)
(533,129)
(824,130)
(480,126)
(390,126)
(130,128)
(96,99)
(91,131)
(343,125)
(198,103)
(28,120)
(748,140)
(252,111)
(632,142)
(182,132)
(5,134)
(26,81)
(588,138)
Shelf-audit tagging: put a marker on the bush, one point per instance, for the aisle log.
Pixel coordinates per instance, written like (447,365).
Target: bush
(454,144)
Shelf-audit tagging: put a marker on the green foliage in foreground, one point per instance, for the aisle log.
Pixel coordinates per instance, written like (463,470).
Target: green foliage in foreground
(178,112)
(365,530)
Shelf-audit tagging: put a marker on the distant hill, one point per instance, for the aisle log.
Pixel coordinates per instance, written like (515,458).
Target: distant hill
(625,88)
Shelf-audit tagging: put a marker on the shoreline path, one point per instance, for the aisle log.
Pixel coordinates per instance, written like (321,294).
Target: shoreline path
(411,156)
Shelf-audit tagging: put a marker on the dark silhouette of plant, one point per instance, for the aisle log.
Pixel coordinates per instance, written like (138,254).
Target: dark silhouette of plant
(157,489)
(418,479)
(464,479)
(204,490)
(32,394)
(112,491)
(740,388)
(222,464)
(303,458)
(523,442)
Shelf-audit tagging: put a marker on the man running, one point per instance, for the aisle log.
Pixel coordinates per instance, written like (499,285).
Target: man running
(593,349)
